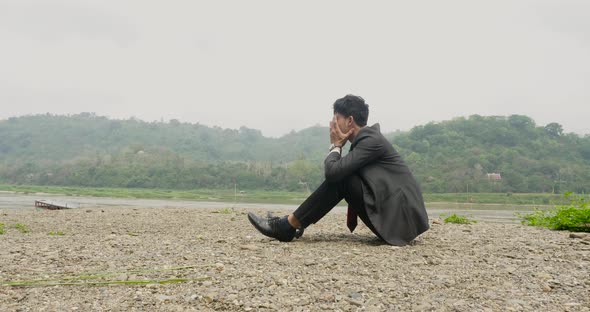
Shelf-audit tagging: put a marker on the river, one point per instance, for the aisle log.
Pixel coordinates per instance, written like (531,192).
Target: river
(482,212)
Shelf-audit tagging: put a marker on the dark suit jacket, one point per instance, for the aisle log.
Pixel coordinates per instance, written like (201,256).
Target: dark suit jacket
(392,197)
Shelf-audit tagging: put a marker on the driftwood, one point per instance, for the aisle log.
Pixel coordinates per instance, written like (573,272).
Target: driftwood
(49,205)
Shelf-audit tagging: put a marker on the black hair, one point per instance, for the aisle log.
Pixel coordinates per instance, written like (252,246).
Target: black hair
(355,106)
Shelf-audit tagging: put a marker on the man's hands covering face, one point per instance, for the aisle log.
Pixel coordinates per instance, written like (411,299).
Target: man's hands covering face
(338,137)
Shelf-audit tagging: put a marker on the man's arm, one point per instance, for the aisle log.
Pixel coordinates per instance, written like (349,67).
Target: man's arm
(367,150)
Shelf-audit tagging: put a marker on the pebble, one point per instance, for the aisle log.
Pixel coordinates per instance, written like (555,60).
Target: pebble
(165,297)
(543,275)
(572,304)
(249,247)
(209,297)
(354,302)
(356,296)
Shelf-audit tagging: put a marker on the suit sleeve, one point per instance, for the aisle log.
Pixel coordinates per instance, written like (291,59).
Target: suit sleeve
(367,150)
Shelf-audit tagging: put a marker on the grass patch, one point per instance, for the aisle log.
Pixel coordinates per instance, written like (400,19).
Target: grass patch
(58,233)
(573,217)
(458,219)
(22,228)
(226,210)
(1,228)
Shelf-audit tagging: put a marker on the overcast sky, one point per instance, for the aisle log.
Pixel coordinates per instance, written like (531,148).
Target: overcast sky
(278,66)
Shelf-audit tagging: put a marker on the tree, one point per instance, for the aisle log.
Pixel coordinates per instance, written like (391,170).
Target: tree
(554,129)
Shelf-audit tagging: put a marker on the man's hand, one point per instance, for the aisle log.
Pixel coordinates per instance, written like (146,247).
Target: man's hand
(338,137)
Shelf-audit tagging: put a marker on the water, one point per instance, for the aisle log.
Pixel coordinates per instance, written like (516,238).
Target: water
(27,201)
(500,213)
(482,212)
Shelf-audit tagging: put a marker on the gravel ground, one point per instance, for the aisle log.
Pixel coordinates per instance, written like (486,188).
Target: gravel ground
(215,260)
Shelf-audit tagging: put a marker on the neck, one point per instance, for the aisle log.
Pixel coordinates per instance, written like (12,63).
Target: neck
(355,131)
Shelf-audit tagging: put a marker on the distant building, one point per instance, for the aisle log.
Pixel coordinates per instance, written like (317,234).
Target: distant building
(494,176)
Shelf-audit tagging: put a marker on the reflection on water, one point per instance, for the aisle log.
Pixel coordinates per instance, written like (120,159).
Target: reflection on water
(482,212)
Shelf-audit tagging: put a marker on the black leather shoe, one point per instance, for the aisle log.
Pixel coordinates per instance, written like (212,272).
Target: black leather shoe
(275,227)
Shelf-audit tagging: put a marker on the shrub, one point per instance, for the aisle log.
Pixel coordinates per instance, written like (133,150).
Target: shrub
(226,210)
(572,217)
(22,228)
(458,219)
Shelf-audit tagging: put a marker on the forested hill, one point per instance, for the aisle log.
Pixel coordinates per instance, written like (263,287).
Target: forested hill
(43,138)
(450,156)
(458,155)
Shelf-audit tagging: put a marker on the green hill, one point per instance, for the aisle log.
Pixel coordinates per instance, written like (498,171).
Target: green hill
(49,138)
(450,156)
(458,155)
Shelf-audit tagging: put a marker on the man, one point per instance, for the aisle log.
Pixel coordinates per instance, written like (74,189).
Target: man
(372,178)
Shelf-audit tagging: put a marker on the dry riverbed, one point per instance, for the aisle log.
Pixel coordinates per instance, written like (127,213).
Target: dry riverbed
(171,259)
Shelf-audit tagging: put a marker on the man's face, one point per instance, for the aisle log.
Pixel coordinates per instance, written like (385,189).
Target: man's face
(345,123)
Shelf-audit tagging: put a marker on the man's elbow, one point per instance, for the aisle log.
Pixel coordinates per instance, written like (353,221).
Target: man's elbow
(332,170)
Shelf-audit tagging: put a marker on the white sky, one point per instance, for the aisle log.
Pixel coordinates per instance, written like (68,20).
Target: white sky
(278,66)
